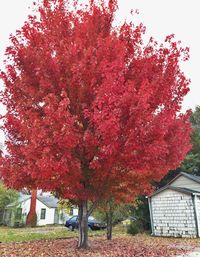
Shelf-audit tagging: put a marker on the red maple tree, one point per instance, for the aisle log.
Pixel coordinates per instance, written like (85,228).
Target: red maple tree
(92,111)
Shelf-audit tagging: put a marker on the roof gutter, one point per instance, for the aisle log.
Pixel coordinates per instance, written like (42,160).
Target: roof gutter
(151,215)
(198,194)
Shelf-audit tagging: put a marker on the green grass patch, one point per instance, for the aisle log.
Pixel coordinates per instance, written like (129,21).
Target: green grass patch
(48,232)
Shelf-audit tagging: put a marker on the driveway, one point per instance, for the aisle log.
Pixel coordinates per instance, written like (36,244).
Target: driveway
(193,253)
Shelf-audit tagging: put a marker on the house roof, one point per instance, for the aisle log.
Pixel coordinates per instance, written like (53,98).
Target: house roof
(178,189)
(190,176)
(49,201)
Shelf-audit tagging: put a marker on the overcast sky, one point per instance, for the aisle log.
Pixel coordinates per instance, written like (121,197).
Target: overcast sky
(161,18)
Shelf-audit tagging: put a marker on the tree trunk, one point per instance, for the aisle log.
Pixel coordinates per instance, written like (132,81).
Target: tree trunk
(32,216)
(109,215)
(83,225)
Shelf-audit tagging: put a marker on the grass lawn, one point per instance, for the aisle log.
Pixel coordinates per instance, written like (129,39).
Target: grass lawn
(47,232)
(59,242)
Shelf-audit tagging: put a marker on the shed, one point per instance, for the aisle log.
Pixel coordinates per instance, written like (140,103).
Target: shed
(175,208)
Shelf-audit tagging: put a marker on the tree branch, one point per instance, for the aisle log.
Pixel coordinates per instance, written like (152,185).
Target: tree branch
(94,205)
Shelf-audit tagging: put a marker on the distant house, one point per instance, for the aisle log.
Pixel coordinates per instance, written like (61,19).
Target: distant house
(46,209)
(175,208)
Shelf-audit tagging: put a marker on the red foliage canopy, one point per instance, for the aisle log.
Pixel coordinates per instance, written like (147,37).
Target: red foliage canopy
(91,110)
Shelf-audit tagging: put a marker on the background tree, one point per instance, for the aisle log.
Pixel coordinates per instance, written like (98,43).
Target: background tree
(191,163)
(112,213)
(7,196)
(91,110)
(139,211)
(135,213)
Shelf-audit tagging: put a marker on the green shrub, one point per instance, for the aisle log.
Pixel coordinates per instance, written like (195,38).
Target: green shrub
(18,224)
(134,228)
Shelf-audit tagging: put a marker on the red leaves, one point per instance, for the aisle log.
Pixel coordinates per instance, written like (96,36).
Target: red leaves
(137,246)
(91,109)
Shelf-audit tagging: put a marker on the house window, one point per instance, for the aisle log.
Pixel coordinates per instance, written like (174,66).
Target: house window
(43,214)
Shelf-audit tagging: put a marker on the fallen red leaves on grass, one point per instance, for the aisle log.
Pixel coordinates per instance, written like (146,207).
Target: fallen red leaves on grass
(125,246)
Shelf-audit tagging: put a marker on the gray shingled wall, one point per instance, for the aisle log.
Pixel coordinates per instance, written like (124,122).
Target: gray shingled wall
(173,214)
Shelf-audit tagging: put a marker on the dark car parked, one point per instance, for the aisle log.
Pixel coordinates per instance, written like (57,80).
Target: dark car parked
(93,224)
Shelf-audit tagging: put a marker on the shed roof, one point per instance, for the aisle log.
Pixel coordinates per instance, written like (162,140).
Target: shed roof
(178,189)
(190,176)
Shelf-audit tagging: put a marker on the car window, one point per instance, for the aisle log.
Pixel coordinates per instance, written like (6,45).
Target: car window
(73,218)
(91,219)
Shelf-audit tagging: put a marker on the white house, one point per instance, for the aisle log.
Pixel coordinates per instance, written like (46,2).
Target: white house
(175,208)
(46,209)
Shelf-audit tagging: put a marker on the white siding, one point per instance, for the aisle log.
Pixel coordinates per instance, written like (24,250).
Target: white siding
(173,214)
(49,218)
(75,211)
(25,205)
(186,183)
